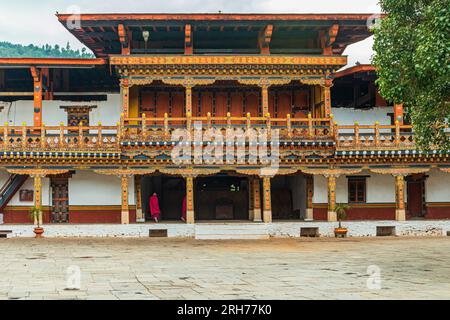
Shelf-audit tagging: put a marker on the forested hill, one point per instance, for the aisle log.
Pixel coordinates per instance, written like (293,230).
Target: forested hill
(10,50)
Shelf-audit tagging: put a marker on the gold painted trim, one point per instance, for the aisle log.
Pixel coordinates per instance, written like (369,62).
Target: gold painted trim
(228,60)
(403,171)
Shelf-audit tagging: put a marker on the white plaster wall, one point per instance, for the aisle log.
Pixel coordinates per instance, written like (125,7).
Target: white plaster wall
(28,185)
(107,112)
(321,189)
(88,188)
(348,116)
(4,175)
(380,188)
(437,186)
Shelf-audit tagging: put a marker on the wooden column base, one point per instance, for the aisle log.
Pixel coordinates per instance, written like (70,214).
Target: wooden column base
(309,214)
(250,214)
(331,216)
(190,216)
(400,214)
(140,215)
(125,217)
(257,215)
(267,216)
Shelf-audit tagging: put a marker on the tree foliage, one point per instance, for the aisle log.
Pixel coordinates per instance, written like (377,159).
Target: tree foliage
(412,56)
(10,50)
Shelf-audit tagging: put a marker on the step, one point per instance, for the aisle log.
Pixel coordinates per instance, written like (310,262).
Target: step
(5,233)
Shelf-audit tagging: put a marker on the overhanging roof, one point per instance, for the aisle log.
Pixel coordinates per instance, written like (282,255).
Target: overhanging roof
(99,32)
(50,62)
(354,69)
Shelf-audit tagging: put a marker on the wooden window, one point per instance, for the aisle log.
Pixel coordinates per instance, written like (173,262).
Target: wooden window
(356,189)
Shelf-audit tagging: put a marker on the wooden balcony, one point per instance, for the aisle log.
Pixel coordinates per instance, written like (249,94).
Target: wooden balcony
(374,137)
(59,138)
(148,130)
(151,132)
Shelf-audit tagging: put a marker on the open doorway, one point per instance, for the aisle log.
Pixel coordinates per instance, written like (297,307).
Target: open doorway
(221,197)
(416,204)
(288,197)
(170,191)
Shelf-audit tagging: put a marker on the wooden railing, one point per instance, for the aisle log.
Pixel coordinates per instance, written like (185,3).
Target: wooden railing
(160,129)
(356,137)
(114,138)
(59,138)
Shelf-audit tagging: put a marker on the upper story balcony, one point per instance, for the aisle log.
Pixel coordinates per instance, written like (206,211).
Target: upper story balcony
(153,133)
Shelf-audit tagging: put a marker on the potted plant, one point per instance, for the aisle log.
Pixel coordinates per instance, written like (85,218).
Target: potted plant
(341,212)
(36,216)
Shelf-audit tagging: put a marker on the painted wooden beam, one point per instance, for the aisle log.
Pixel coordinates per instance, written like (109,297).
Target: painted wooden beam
(188,41)
(328,38)
(265,39)
(124,39)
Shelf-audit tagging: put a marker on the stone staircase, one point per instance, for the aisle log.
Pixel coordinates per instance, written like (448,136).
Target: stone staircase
(230,231)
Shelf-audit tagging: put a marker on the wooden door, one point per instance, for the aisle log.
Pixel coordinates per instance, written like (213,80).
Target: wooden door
(60,199)
(416,196)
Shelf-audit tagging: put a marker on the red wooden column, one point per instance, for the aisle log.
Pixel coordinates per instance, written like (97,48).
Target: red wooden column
(265,99)
(37,96)
(188,92)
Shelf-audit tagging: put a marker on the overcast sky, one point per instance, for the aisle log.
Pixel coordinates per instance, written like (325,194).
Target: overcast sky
(31,21)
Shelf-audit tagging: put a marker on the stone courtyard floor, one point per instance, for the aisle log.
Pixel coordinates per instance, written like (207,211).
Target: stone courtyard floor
(118,268)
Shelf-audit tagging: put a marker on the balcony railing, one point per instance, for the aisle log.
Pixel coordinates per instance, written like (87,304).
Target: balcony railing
(289,129)
(59,138)
(143,132)
(358,137)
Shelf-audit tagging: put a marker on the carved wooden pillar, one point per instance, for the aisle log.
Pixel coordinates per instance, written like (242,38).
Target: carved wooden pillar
(251,202)
(400,212)
(331,216)
(265,99)
(256,200)
(190,214)
(37,96)
(138,195)
(125,212)
(327,97)
(267,212)
(188,89)
(125,91)
(309,197)
(38,195)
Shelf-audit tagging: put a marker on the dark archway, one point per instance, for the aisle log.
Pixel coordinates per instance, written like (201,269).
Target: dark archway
(170,190)
(221,197)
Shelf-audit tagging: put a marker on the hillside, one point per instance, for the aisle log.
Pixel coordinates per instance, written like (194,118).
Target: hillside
(10,50)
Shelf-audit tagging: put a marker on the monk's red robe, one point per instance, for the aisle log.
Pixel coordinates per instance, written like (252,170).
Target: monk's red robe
(154,207)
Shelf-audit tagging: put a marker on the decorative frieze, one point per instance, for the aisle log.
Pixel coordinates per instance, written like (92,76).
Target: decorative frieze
(228,60)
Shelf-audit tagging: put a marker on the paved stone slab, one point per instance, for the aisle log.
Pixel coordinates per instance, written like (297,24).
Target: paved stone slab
(356,268)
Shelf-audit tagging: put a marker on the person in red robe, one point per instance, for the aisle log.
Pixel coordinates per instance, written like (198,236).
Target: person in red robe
(183,210)
(154,207)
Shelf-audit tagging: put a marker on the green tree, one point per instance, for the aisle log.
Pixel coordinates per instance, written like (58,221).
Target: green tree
(10,50)
(412,56)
